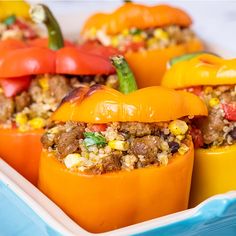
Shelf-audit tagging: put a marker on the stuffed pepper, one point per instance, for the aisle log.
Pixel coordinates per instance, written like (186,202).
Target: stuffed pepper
(15,21)
(113,159)
(148,36)
(213,79)
(33,81)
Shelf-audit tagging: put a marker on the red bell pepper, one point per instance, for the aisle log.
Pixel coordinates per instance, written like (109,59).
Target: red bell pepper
(230,111)
(18,62)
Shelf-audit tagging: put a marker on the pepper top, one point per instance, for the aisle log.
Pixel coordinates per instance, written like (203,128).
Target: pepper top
(139,16)
(202,69)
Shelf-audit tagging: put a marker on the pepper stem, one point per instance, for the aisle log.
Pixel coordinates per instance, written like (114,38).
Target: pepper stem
(127,83)
(41,14)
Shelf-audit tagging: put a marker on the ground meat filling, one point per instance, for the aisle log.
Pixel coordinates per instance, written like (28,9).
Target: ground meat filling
(136,39)
(219,128)
(31,109)
(102,148)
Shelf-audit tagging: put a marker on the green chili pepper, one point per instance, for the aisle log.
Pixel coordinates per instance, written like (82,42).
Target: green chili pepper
(41,14)
(127,83)
(94,138)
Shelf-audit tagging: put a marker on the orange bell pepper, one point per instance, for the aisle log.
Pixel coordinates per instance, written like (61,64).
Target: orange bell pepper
(148,66)
(103,105)
(22,151)
(109,201)
(105,202)
(214,168)
(19,61)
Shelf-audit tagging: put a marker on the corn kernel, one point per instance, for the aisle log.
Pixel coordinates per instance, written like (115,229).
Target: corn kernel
(119,145)
(183,149)
(160,34)
(37,123)
(114,41)
(151,42)
(137,38)
(43,82)
(72,160)
(208,89)
(180,137)
(162,158)
(125,32)
(178,127)
(1,91)
(23,128)
(214,102)
(21,119)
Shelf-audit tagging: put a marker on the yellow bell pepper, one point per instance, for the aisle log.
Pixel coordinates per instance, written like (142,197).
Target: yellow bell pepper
(213,173)
(19,8)
(214,168)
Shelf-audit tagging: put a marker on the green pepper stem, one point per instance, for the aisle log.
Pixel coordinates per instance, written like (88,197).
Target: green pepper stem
(41,14)
(127,83)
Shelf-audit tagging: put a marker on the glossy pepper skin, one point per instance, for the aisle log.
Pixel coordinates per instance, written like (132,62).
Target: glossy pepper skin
(203,69)
(213,173)
(20,60)
(102,105)
(22,151)
(109,201)
(148,66)
(214,168)
(105,202)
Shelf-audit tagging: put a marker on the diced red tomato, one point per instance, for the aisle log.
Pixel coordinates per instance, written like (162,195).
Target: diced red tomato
(21,24)
(134,46)
(197,90)
(230,111)
(28,32)
(99,127)
(13,86)
(197,137)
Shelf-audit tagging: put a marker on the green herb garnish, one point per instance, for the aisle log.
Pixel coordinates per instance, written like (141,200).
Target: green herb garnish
(135,31)
(94,138)
(10,20)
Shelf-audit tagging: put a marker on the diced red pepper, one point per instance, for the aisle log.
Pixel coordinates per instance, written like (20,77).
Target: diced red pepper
(134,46)
(230,111)
(13,86)
(28,32)
(197,90)
(197,137)
(99,127)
